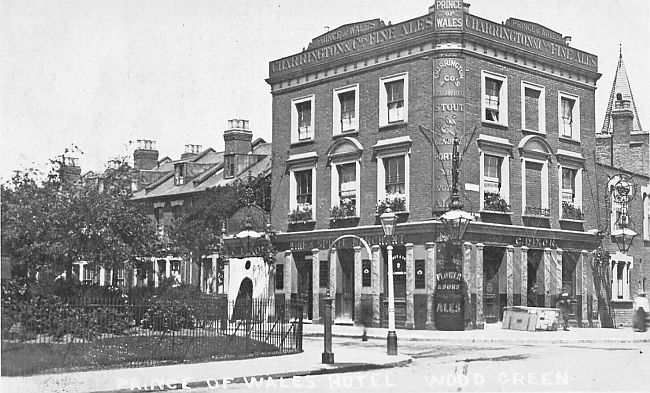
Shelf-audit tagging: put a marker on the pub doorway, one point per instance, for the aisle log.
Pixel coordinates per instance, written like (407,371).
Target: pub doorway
(569,264)
(492,259)
(345,286)
(305,285)
(399,286)
(535,294)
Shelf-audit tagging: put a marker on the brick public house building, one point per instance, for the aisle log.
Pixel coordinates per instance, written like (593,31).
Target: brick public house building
(365,118)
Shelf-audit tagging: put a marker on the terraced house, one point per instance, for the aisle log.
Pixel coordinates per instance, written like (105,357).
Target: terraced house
(367,117)
(166,186)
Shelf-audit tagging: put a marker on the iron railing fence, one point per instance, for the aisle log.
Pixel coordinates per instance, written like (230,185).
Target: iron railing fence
(74,334)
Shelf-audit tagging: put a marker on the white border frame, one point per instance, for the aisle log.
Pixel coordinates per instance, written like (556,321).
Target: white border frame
(503,98)
(575,129)
(383,99)
(294,118)
(541,106)
(336,109)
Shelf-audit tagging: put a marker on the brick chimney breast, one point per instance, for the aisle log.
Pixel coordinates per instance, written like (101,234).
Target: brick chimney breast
(238,137)
(145,156)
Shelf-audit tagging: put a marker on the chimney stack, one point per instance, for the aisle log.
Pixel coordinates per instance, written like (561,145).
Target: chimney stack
(145,156)
(238,137)
(70,169)
(191,151)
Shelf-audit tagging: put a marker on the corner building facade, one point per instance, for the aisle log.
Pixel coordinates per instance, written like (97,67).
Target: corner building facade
(365,119)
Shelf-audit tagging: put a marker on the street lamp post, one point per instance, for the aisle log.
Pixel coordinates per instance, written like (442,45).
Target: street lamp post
(623,193)
(454,224)
(388,221)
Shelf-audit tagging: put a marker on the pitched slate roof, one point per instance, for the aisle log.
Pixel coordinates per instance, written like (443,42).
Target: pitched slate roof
(212,174)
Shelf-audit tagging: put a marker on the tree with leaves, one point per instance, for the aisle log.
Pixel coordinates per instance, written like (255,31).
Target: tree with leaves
(50,224)
(197,232)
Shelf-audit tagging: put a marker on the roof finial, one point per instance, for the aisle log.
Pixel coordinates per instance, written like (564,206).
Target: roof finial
(620,50)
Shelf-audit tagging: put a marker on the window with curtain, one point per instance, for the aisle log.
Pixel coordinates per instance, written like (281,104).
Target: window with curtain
(567,117)
(348,181)
(492,99)
(348,110)
(394,175)
(304,120)
(395,100)
(229,166)
(492,171)
(568,185)
(178,175)
(303,187)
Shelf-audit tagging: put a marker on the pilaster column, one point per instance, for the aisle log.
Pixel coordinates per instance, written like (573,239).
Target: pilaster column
(626,281)
(375,281)
(480,316)
(467,279)
(546,260)
(287,274)
(81,272)
(430,282)
(226,277)
(584,265)
(524,276)
(614,267)
(357,281)
(558,276)
(315,278)
(168,268)
(410,287)
(202,277)
(510,274)
(215,275)
(593,276)
(156,268)
(333,263)
(102,276)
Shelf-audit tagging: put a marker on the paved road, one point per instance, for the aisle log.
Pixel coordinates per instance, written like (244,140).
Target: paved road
(484,367)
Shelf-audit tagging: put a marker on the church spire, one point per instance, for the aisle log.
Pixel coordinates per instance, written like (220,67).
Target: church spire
(620,91)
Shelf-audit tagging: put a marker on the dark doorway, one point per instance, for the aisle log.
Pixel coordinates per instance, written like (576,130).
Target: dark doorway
(345,286)
(305,286)
(243,303)
(569,264)
(535,295)
(492,258)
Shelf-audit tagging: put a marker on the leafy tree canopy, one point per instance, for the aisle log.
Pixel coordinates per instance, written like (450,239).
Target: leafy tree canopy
(48,225)
(198,230)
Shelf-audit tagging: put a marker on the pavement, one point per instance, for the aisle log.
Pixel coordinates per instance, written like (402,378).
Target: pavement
(287,370)
(493,333)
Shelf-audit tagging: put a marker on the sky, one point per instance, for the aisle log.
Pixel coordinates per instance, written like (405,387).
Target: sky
(99,74)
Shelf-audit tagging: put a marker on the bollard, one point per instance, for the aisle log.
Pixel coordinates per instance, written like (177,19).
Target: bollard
(328,355)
